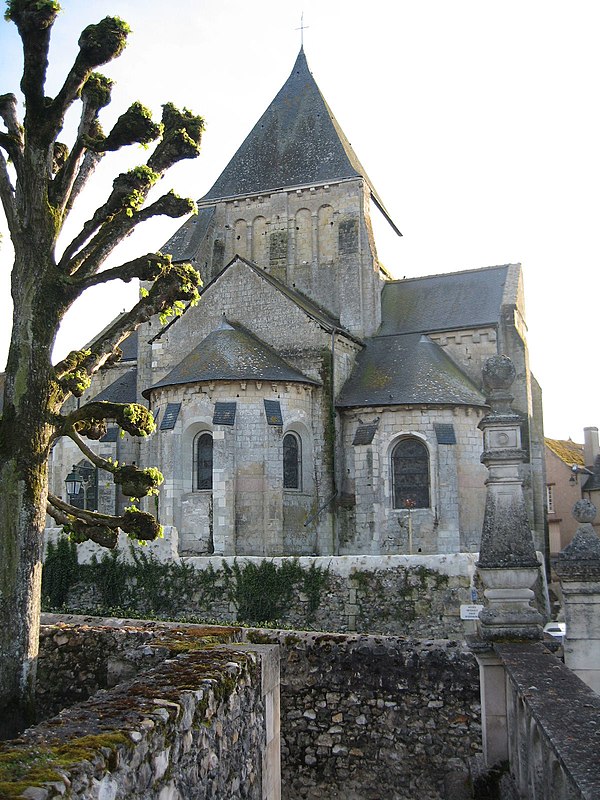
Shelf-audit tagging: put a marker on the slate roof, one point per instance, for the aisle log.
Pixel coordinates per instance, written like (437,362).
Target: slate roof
(231,353)
(129,347)
(186,241)
(123,390)
(593,482)
(568,451)
(296,142)
(408,369)
(468,299)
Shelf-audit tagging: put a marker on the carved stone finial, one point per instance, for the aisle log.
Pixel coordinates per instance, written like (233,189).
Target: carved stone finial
(580,559)
(498,373)
(584,511)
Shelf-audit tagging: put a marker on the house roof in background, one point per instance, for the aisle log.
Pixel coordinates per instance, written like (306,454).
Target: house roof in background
(568,451)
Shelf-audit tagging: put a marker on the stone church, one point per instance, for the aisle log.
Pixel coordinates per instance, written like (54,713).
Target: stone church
(310,404)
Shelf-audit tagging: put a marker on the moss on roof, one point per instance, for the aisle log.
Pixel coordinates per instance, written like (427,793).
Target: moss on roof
(568,451)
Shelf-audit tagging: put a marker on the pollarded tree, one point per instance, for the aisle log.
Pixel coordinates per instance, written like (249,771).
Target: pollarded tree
(40,179)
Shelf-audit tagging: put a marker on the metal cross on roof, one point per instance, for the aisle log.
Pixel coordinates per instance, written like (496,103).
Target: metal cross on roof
(302,28)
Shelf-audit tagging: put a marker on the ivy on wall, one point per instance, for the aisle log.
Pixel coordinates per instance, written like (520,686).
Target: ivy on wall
(145,586)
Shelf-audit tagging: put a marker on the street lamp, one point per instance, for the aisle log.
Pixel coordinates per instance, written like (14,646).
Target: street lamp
(73,483)
(577,470)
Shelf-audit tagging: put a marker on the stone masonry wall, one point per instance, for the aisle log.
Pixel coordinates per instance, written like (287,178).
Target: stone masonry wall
(370,524)
(203,724)
(392,595)
(374,718)
(363,717)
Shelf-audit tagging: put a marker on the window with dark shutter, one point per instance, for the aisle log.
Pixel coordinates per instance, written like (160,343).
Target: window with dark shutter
(410,474)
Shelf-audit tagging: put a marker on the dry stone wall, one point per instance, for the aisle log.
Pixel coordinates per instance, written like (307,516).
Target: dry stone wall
(202,724)
(363,717)
(368,718)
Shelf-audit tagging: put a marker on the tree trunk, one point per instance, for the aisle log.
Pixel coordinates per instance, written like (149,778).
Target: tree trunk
(29,399)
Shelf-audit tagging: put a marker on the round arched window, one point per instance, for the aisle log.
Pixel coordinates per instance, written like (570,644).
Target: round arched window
(203,461)
(292,461)
(410,474)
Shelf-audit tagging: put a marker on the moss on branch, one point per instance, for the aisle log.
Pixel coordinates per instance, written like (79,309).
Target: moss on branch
(134,126)
(181,138)
(102,42)
(82,525)
(96,91)
(136,482)
(131,417)
(72,373)
(140,525)
(32,14)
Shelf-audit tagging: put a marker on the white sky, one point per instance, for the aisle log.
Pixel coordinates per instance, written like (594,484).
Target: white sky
(477,122)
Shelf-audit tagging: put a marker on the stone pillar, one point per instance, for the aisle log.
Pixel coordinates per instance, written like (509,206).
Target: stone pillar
(578,568)
(508,565)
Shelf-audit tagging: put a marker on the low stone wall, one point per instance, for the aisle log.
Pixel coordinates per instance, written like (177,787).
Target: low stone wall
(553,725)
(76,660)
(363,717)
(393,595)
(369,717)
(203,724)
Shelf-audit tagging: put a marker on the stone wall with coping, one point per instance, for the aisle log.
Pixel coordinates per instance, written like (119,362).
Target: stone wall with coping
(368,717)
(363,717)
(205,720)
(393,595)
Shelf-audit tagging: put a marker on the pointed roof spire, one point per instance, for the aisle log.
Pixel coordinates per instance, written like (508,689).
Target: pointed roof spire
(296,142)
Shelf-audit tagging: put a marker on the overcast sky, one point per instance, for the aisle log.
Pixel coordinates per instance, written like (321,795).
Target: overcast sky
(477,123)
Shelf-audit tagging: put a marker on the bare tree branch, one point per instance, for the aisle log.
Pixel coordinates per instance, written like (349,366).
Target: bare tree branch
(132,417)
(145,268)
(112,222)
(84,525)
(95,95)
(12,142)
(81,528)
(97,460)
(34,22)
(8,112)
(98,44)
(86,170)
(83,514)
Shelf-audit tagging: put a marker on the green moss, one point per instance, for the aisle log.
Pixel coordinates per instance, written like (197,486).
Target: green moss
(100,43)
(136,482)
(34,766)
(97,89)
(45,9)
(86,747)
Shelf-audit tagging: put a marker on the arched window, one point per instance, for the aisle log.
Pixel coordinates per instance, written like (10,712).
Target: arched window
(410,474)
(203,461)
(292,461)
